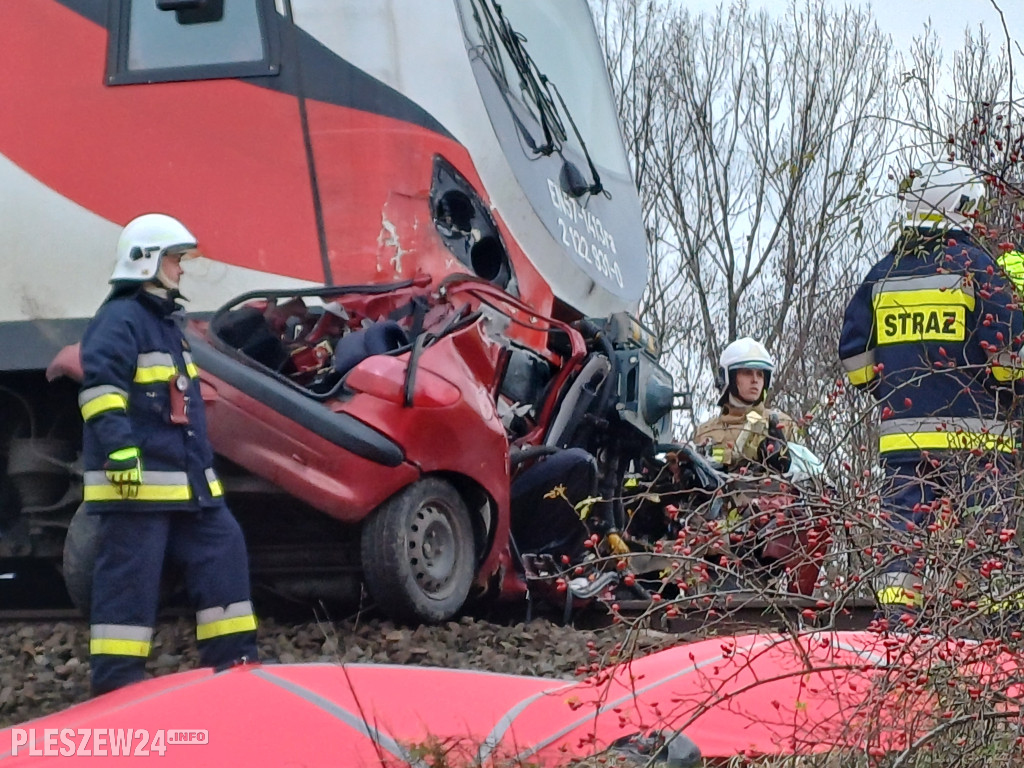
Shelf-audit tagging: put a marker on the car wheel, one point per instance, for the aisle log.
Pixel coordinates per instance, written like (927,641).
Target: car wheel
(418,553)
(81,546)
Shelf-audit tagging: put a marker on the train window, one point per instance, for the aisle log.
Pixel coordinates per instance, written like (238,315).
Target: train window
(164,40)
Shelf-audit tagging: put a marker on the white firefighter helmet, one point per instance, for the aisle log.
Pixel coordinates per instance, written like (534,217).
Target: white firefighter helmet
(943,194)
(143,243)
(743,353)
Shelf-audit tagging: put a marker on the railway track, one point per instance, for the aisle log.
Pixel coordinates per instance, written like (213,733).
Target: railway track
(42,597)
(734,612)
(9,615)
(743,613)
(32,593)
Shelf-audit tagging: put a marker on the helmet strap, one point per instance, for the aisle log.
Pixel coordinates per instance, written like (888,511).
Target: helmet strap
(737,403)
(156,289)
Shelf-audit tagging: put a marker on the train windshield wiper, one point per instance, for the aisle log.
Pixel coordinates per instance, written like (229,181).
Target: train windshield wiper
(496,30)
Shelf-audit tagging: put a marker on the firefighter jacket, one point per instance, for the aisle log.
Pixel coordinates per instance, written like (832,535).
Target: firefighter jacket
(737,433)
(141,390)
(1012,264)
(933,334)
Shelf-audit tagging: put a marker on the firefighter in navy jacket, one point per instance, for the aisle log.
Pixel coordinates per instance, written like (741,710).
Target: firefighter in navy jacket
(933,333)
(149,468)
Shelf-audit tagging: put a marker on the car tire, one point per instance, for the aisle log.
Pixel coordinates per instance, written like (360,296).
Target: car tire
(418,553)
(81,545)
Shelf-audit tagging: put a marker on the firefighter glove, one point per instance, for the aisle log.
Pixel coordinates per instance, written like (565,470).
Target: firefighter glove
(773,451)
(124,471)
(616,544)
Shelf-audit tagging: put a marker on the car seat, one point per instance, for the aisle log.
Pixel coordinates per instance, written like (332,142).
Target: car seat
(247,330)
(378,339)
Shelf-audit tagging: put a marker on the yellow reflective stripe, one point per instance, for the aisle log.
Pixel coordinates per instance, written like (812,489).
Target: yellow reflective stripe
(102,404)
(145,493)
(1012,264)
(87,395)
(121,632)
(120,639)
(928,314)
(192,370)
(860,368)
(922,323)
(150,359)
(898,596)
(936,281)
(928,441)
(1006,366)
(156,486)
(718,454)
(222,627)
(925,297)
(1013,604)
(1012,261)
(861,376)
(216,489)
(1002,373)
(154,374)
(111,647)
(219,612)
(908,424)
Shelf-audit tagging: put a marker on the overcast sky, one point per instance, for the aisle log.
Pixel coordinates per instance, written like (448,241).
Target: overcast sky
(905,19)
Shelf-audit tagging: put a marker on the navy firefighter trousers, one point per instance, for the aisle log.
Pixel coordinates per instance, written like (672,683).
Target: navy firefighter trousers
(208,547)
(916,487)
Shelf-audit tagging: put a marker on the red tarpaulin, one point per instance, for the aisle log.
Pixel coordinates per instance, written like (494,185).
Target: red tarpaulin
(751,694)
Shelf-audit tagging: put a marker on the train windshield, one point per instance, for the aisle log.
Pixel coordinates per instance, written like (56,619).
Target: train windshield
(549,65)
(541,73)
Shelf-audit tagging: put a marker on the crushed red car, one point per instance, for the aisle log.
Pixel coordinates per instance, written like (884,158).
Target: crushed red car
(435,444)
(396,416)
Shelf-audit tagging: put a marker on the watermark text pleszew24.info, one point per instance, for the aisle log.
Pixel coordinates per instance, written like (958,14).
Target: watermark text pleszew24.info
(102,742)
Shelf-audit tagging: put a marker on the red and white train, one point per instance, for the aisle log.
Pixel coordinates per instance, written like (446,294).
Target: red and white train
(306,143)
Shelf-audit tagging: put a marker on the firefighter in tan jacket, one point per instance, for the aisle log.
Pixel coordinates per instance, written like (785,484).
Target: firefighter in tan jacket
(746,433)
